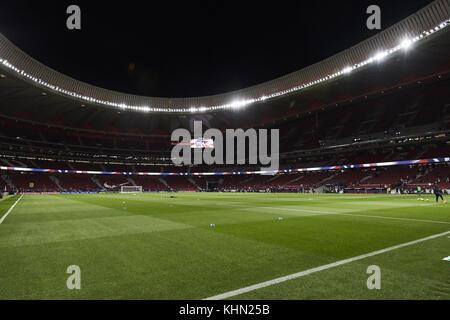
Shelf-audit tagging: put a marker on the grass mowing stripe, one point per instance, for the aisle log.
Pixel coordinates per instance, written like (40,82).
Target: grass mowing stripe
(316,212)
(10,209)
(321,268)
(393,218)
(322,213)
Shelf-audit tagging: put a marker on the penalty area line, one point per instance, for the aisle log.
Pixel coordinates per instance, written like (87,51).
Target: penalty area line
(317,269)
(10,209)
(324,213)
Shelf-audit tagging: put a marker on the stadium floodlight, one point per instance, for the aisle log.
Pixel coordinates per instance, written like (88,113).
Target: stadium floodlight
(406,44)
(131,189)
(347,70)
(238,104)
(380,56)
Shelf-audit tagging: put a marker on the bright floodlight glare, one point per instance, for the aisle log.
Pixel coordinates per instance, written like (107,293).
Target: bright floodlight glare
(238,104)
(406,44)
(347,70)
(380,56)
(235,105)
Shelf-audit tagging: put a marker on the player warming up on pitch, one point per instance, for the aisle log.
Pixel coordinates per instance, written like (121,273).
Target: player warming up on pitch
(438,194)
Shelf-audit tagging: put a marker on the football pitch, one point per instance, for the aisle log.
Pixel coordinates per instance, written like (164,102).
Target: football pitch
(224,246)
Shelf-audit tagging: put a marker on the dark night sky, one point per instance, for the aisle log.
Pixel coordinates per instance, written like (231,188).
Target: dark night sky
(190,49)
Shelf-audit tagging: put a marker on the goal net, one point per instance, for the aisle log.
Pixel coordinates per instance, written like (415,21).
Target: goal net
(131,189)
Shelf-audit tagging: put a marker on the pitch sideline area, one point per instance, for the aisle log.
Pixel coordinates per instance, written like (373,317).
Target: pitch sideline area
(321,268)
(2,218)
(199,245)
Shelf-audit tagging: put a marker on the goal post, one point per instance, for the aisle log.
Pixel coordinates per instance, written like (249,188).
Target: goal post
(131,189)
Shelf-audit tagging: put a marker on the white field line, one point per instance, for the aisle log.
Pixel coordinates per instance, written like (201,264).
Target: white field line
(317,269)
(323,213)
(392,218)
(244,206)
(10,209)
(248,207)
(312,213)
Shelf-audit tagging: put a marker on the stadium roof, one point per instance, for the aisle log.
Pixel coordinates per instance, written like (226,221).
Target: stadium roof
(424,24)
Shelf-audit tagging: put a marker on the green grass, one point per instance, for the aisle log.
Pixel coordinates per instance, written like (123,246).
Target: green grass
(165,248)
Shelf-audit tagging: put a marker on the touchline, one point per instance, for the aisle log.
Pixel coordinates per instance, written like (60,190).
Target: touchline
(235,152)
